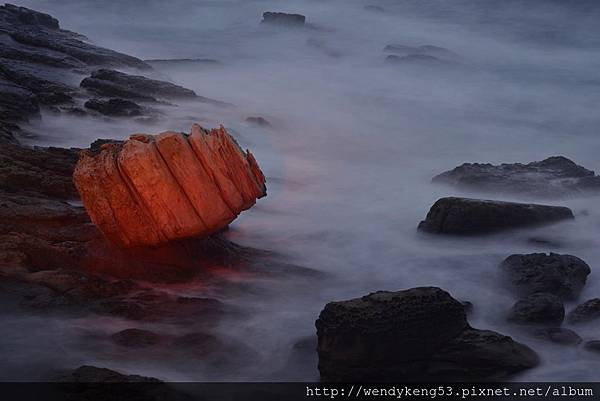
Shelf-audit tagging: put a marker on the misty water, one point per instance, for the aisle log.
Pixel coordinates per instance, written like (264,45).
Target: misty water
(349,156)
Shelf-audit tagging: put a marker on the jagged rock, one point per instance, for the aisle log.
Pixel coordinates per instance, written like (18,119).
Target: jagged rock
(561,275)
(585,312)
(538,308)
(136,338)
(557,335)
(475,216)
(553,177)
(111,83)
(152,190)
(31,29)
(593,346)
(114,107)
(283,19)
(408,335)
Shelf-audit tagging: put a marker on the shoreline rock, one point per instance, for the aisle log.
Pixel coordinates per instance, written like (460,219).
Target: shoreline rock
(465,216)
(554,177)
(152,190)
(563,276)
(411,335)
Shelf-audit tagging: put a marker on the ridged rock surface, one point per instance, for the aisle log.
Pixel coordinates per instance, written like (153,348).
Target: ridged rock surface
(155,189)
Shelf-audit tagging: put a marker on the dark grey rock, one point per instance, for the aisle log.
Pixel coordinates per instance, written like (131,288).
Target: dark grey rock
(404,335)
(557,335)
(422,59)
(110,83)
(561,275)
(539,308)
(475,216)
(29,29)
(425,50)
(585,312)
(260,121)
(93,374)
(283,19)
(593,346)
(554,177)
(115,107)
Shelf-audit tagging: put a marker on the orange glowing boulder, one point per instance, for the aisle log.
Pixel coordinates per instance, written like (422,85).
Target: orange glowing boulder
(155,189)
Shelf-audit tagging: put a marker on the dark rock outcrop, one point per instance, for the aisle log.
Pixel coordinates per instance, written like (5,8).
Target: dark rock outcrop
(93,374)
(411,335)
(585,312)
(557,335)
(592,346)
(418,59)
(474,216)
(260,121)
(115,107)
(283,19)
(561,275)
(554,177)
(538,308)
(111,83)
(33,33)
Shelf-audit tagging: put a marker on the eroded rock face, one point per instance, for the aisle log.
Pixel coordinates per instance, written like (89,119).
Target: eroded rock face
(152,190)
(475,216)
(561,275)
(408,335)
(554,177)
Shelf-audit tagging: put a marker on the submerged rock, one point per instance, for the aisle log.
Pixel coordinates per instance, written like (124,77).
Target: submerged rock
(554,177)
(557,335)
(585,312)
(424,50)
(538,308)
(152,190)
(422,59)
(260,121)
(283,19)
(114,107)
(561,275)
(475,216)
(408,335)
(593,346)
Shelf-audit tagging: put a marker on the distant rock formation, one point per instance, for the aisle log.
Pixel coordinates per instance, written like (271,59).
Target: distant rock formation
(554,177)
(155,189)
(283,19)
(475,216)
(410,335)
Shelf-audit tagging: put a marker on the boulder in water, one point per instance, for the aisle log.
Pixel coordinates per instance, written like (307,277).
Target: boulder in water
(155,189)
